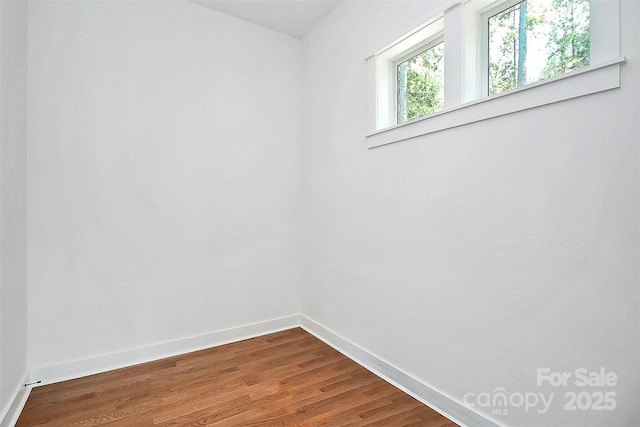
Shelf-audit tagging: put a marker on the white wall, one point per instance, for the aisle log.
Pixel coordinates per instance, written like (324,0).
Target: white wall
(164,184)
(13,191)
(163,175)
(470,257)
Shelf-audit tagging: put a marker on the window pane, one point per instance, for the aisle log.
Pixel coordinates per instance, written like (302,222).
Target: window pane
(535,40)
(421,84)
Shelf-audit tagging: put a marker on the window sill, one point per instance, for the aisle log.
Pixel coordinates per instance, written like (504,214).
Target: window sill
(588,80)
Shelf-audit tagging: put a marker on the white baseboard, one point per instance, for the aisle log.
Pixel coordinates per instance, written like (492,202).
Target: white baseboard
(10,414)
(96,365)
(439,402)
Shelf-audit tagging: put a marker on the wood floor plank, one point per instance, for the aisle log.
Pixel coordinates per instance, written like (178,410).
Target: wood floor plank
(288,378)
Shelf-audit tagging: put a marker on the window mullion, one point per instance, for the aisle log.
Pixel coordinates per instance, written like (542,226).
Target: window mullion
(454,56)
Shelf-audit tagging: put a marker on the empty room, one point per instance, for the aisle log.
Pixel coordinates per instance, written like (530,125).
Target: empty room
(317,212)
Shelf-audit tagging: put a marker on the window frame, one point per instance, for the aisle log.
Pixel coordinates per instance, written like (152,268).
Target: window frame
(395,62)
(385,71)
(486,14)
(463,59)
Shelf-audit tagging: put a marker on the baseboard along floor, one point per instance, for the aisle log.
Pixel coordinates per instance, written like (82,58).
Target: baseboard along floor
(287,378)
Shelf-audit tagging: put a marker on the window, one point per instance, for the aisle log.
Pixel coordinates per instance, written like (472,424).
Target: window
(410,76)
(501,57)
(534,40)
(420,83)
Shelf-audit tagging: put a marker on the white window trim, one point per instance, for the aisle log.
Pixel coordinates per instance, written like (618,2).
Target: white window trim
(384,72)
(427,44)
(585,81)
(464,105)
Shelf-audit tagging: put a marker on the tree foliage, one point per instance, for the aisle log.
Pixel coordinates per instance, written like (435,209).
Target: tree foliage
(560,29)
(421,84)
(569,42)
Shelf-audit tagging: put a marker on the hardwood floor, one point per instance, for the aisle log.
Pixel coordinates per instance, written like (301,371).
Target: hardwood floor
(289,378)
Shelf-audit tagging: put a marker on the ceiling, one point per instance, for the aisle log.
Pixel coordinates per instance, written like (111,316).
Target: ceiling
(292,17)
